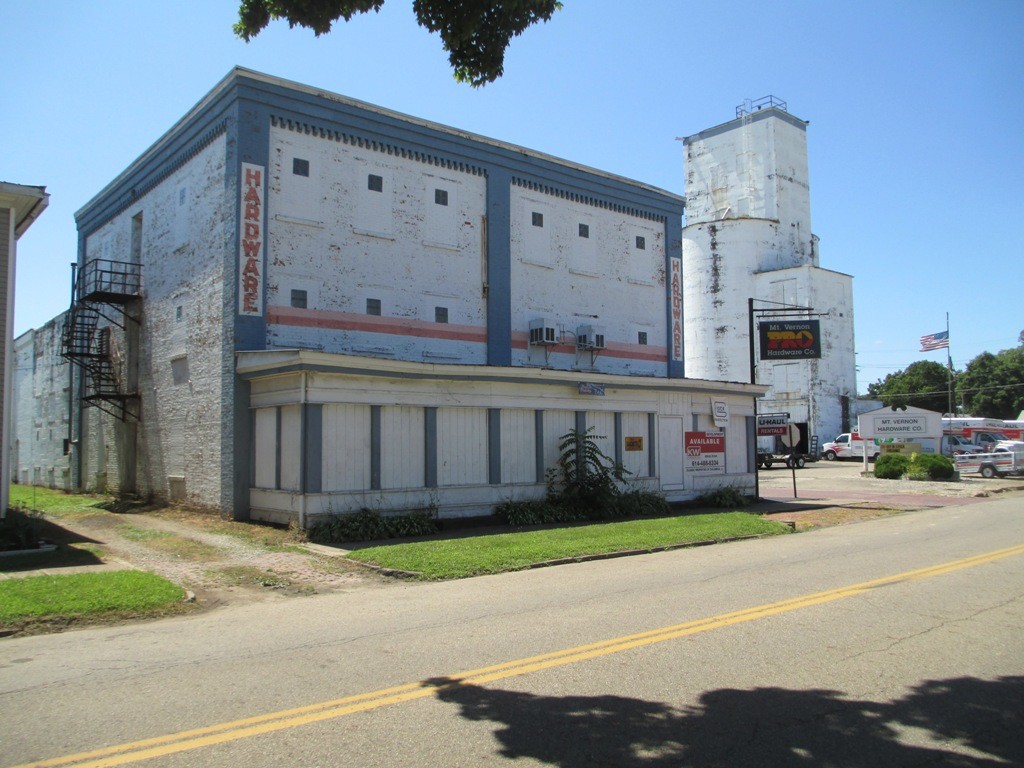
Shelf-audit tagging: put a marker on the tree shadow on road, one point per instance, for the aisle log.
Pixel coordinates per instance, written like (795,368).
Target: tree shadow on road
(962,722)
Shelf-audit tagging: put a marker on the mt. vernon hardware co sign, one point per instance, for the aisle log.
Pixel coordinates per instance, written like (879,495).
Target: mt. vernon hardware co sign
(788,339)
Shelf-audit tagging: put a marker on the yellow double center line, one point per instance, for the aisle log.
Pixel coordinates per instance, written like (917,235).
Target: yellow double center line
(183,741)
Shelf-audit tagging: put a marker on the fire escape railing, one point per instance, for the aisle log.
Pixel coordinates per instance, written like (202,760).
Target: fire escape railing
(103,289)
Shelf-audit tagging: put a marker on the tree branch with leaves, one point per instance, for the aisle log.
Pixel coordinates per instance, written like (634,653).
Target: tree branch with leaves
(475,33)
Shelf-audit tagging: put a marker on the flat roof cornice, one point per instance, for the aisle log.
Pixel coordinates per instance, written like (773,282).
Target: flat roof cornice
(260,363)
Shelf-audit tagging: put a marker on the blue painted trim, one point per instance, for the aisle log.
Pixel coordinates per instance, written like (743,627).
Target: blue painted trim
(375,443)
(430,447)
(499,269)
(752,442)
(617,418)
(313,442)
(652,465)
(277,447)
(673,249)
(494,446)
(538,442)
(387,131)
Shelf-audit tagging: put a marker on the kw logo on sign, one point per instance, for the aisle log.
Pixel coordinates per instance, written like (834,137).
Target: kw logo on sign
(695,451)
(790,339)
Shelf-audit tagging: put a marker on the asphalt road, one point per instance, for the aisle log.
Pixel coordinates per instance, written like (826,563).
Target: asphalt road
(891,642)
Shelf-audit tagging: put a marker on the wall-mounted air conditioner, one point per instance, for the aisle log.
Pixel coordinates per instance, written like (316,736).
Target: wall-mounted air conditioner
(543,333)
(589,337)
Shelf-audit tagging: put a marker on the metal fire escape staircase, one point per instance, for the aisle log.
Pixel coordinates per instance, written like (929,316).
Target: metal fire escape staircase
(109,290)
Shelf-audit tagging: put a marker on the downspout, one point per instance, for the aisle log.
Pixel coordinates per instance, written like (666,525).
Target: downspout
(71,452)
(303,400)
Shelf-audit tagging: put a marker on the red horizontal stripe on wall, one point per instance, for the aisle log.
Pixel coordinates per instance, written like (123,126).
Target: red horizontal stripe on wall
(626,351)
(397,326)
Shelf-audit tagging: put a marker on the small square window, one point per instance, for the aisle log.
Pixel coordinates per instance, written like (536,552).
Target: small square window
(538,219)
(641,243)
(441,196)
(300,167)
(373,307)
(375,183)
(440,314)
(299,298)
(584,230)
(179,312)
(641,338)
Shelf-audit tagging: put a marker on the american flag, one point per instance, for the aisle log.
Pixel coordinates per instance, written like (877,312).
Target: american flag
(935,341)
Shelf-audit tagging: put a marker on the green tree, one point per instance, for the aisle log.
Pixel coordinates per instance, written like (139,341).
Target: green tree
(993,385)
(924,384)
(474,32)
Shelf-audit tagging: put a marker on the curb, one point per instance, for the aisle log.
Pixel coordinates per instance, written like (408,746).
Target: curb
(577,559)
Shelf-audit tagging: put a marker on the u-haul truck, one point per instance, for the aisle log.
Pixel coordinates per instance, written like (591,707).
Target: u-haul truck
(849,445)
(984,432)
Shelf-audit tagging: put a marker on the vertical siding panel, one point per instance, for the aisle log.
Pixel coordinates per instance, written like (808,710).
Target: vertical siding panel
(401,450)
(556,424)
(518,464)
(604,431)
(346,459)
(291,448)
(462,446)
(266,447)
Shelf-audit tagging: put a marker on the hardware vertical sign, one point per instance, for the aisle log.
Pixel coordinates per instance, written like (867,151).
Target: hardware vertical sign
(676,278)
(251,241)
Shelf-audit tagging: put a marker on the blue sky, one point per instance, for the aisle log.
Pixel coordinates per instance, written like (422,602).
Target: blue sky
(916,133)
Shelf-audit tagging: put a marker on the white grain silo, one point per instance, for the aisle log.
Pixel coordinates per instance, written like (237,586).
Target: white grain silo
(748,236)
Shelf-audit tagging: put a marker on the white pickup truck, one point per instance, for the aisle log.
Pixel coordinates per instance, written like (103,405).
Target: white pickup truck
(1007,458)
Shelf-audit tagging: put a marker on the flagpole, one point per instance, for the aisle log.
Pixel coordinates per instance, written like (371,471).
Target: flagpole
(949,365)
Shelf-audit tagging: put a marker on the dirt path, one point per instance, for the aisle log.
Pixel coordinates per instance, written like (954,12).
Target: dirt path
(219,561)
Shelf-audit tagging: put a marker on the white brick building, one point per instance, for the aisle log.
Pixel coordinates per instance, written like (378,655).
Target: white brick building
(295,303)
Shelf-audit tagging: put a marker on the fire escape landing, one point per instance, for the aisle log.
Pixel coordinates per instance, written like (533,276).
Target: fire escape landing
(109,290)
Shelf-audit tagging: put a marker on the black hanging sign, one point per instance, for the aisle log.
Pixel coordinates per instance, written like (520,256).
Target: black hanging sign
(790,339)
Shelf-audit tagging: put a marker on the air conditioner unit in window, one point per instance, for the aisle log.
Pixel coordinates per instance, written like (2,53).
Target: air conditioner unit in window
(543,333)
(589,337)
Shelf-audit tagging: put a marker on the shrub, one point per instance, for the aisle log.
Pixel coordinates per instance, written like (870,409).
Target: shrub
(891,466)
(641,504)
(726,496)
(543,512)
(584,479)
(370,525)
(932,466)
(20,529)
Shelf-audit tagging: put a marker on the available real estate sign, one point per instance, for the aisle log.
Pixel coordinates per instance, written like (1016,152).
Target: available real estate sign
(704,452)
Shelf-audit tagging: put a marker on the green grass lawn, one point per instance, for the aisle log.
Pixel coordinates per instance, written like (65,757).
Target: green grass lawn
(85,595)
(460,557)
(57,503)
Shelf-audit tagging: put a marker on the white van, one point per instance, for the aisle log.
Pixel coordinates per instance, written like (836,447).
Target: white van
(849,445)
